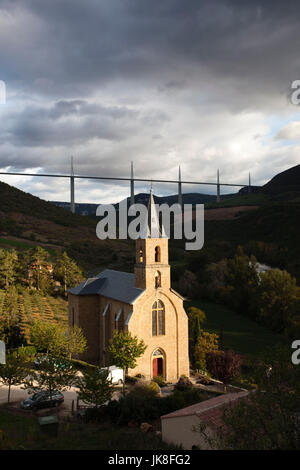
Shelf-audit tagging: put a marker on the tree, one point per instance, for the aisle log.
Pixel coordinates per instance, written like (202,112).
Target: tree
(207,342)
(124,349)
(268,419)
(243,281)
(188,284)
(279,300)
(75,341)
(94,386)
(196,318)
(54,339)
(49,338)
(68,271)
(53,374)
(10,329)
(223,365)
(13,372)
(40,269)
(8,267)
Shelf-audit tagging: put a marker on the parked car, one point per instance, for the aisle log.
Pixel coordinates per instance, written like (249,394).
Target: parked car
(43,400)
(115,374)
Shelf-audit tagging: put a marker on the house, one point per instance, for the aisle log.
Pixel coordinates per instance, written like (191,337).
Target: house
(142,303)
(180,427)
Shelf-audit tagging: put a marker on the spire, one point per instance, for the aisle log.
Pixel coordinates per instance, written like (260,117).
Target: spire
(152,227)
(179,188)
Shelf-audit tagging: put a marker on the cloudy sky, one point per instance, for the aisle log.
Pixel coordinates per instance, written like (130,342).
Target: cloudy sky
(204,84)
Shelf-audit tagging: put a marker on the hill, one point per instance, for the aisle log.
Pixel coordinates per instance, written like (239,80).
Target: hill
(141,198)
(267,216)
(27,220)
(286,181)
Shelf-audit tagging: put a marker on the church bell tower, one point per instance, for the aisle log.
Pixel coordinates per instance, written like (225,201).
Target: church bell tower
(152,269)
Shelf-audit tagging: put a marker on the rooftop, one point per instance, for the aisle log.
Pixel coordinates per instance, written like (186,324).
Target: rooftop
(116,285)
(211,410)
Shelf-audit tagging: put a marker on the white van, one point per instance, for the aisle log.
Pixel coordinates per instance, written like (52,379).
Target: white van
(115,375)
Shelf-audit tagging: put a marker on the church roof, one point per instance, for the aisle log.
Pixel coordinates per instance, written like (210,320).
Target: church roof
(116,285)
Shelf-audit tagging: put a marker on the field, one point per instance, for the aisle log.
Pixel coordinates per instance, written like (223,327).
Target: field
(34,307)
(239,333)
(23,433)
(20,245)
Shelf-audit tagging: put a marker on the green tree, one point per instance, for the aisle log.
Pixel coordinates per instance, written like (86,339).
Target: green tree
(196,318)
(40,270)
(243,281)
(207,342)
(13,372)
(267,419)
(279,300)
(8,267)
(49,338)
(223,365)
(188,284)
(67,270)
(124,349)
(54,373)
(10,327)
(94,386)
(75,341)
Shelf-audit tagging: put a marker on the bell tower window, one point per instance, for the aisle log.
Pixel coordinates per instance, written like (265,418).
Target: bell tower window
(157,279)
(157,254)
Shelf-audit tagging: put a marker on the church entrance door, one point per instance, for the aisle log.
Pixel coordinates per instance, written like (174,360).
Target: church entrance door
(157,366)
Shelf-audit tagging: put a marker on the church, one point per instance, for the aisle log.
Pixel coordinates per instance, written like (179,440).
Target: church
(142,303)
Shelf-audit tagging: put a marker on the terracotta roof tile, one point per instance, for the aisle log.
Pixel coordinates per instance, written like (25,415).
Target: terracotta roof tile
(211,410)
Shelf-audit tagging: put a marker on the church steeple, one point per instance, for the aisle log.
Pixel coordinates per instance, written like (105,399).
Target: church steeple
(152,228)
(152,270)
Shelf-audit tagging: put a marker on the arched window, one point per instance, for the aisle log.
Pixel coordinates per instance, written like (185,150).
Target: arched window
(158,318)
(157,254)
(141,257)
(158,352)
(157,280)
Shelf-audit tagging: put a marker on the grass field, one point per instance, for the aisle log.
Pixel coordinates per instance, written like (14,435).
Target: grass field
(34,307)
(239,333)
(21,245)
(23,433)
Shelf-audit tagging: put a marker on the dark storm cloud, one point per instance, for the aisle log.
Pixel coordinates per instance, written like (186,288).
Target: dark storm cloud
(82,45)
(157,82)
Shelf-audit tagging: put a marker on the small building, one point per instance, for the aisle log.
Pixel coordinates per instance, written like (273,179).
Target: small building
(142,303)
(179,427)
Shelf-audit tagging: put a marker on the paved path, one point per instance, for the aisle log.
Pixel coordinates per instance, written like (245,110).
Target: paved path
(17,395)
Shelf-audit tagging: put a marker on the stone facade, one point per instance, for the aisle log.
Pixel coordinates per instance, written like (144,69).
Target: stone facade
(165,333)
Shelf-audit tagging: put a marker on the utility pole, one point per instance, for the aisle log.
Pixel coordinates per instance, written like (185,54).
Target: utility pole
(249,185)
(72,188)
(218,186)
(179,188)
(131,186)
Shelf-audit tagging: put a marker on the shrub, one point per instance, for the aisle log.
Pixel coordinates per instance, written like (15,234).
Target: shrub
(81,365)
(183,383)
(160,381)
(138,405)
(139,376)
(130,380)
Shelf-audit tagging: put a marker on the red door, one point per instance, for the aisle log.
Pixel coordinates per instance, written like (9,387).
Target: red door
(155,367)
(160,366)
